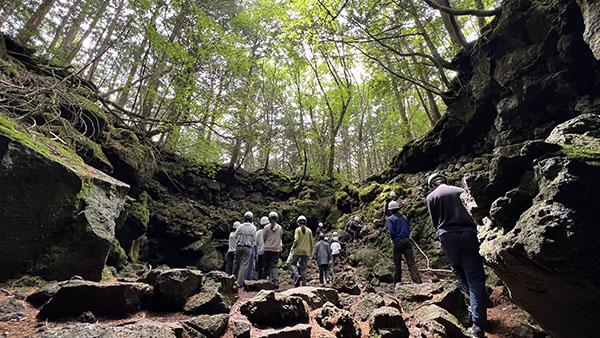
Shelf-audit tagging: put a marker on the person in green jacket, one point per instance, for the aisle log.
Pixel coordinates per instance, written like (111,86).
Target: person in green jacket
(302,248)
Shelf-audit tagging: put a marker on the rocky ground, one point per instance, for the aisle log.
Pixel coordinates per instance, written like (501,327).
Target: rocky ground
(173,303)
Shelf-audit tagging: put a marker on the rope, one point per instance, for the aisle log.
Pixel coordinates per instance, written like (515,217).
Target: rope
(427,261)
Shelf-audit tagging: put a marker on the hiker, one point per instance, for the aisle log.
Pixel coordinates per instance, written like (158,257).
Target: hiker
(323,255)
(457,232)
(244,236)
(260,244)
(399,230)
(336,249)
(272,248)
(231,250)
(303,248)
(320,230)
(386,210)
(353,227)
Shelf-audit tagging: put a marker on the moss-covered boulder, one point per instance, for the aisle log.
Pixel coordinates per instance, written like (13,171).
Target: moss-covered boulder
(59,214)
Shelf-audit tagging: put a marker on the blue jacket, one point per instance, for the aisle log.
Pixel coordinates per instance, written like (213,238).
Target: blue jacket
(397,226)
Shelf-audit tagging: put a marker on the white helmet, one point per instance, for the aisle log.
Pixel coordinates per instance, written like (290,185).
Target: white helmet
(320,224)
(436,176)
(264,220)
(393,205)
(325,239)
(236,224)
(392,194)
(356,218)
(273,214)
(335,234)
(301,218)
(335,239)
(249,215)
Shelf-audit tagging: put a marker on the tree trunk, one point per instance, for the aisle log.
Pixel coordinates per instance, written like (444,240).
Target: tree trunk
(124,94)
(106,42)
(61,28)
(67,42)
(480,19)
(456,35)
(35,21)
(8,7)
(73,52)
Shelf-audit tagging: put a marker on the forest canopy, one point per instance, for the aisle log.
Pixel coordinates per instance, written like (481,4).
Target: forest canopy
(325,87)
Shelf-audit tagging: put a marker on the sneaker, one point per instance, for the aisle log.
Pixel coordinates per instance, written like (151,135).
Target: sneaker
(476,332)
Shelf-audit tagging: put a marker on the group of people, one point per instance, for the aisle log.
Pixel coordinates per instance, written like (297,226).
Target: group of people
(248,244)
(457,233)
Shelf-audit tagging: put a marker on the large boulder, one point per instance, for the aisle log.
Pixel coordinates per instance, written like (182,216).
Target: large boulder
(62,212)
(11,309)
(206,326)
(547,257)
(339,321)
(433,321)
(446,295)
(346,282)
(365,307)
(218,293)
(102,299)
(591,17)
(141,329)
(315,297)
(387,322)
(268,308)
(174,287)
(296,331)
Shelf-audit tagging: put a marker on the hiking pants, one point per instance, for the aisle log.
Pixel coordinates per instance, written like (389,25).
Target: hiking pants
(241,263)
(272,273)
(301,269)
(462,250)
(403,247)
(324,272)
(229,265)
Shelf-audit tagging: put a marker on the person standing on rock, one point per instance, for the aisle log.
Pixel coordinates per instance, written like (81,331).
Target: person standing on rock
(272,247)
(386,210)
(245,240)
(260,244)
(458,234)
(320,230)
(399,230)
(303,248)
(353,227)
(231,251)
(323,255)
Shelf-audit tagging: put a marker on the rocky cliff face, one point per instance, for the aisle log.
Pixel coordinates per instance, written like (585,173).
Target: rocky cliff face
(521,134)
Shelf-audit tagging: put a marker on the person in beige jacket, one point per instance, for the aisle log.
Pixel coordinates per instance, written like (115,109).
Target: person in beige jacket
(272,247)
(303,248)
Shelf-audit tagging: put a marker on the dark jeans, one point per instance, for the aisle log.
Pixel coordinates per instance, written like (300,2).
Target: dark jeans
(333,259)
(462,250)
(251,264)
(229,264)
(260,266)
(272,273)
(403,247)
(324,271)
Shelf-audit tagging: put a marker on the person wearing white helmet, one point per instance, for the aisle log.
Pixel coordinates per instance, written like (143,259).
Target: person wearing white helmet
(391,197)
(302,248)
(457,232)
(353,227)
(272,233)
(320,230)
(231,249)
(260,250)
(245,240)
(336,249)
(399,231)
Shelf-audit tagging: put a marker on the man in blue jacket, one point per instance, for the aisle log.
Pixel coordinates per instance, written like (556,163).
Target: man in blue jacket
(399,230)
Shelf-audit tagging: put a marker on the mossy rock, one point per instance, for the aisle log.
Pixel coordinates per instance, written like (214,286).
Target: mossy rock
(370,193)
(343,201)
(116,255)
